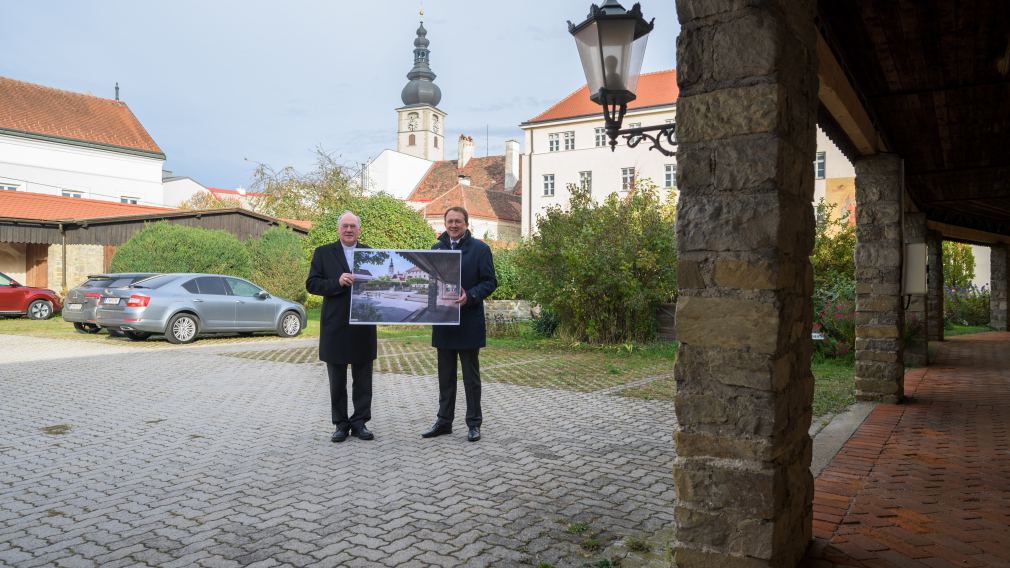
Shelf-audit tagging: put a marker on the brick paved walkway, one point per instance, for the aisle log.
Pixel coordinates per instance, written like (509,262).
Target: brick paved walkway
(926,483)
(188,457)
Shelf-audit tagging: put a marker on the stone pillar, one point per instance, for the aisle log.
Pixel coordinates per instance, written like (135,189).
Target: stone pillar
(879,316)
(916,316)
(998,300)
(745,227)
(934,286)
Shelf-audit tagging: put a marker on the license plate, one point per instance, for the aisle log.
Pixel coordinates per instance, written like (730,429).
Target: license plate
(110,300)
(74,306)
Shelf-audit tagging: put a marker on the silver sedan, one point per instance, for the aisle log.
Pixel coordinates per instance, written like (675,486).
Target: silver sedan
(183,306)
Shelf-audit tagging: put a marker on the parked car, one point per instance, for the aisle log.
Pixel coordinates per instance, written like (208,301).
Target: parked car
(20,300)
(183,306)
(81,303)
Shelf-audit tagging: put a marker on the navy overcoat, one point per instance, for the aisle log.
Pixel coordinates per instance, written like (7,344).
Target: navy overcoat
(479,281)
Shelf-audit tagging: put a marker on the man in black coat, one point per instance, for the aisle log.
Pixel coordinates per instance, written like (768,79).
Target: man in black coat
(465,340)
(331,276)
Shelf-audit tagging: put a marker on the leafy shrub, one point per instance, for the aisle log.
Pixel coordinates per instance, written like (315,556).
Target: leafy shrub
(833,262)
(279,263)
(833,256)
(835,317)
(507,274)
(967,305)
(386,222)
(603,268)
(164,247)
(545,324)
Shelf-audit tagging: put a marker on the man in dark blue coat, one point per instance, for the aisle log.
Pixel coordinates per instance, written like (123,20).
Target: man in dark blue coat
(463,342)
(331,276)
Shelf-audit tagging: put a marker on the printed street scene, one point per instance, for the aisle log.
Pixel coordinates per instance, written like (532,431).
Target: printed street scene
(407,287)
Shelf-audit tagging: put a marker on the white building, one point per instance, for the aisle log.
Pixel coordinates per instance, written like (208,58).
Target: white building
(566,144)
(75,145)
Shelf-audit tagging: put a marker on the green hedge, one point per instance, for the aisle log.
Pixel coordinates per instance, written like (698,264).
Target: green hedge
(507,273)
(164,247)
(279,263)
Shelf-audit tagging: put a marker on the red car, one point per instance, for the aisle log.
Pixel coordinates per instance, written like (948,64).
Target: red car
(36,303)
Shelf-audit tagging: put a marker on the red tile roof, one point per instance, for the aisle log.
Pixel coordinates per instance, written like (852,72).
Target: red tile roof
(479,203)
(487,172)
(654,89)
(42,207)
(35,109)
(307,225)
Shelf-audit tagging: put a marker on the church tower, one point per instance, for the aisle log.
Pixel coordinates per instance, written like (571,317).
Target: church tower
(420,124)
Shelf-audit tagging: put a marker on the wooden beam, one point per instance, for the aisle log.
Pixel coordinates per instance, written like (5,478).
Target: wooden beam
(840,99)
(955,233)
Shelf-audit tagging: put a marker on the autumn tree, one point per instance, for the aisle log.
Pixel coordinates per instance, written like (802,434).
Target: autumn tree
(290,194)
(206,200)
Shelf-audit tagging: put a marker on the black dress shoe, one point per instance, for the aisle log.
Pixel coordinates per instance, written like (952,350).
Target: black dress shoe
(438,429)
(474,434)
(339,435)
(362,433)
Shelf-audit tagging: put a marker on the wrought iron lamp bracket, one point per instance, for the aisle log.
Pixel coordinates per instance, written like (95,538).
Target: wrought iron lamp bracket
(613,116)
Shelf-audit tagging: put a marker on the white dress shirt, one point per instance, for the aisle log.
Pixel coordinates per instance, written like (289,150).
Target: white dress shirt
(349,255)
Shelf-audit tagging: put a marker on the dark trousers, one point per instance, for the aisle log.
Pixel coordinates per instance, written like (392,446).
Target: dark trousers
(361,386)
(470,360)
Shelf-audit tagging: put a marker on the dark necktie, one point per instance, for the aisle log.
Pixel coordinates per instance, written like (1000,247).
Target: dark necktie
(454,245)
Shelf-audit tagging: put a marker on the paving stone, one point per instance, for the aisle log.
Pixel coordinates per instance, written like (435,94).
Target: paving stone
(156,470)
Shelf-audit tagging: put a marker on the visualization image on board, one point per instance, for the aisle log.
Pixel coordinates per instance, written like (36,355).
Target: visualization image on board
(405,287)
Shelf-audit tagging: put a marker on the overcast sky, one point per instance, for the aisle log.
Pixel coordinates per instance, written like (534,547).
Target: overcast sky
(223,84)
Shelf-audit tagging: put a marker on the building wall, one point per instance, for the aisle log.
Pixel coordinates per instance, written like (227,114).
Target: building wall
(82,260)
(838,172)
(983,276)
(13,261)
(483,228)
(180,189)
(605,165)
(395,173)
(47,167)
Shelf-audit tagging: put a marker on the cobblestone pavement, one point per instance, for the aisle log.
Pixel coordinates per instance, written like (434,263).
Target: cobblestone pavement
(186,456)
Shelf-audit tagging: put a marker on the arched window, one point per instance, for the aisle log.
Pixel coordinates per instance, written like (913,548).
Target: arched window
(436,141)
(411,140)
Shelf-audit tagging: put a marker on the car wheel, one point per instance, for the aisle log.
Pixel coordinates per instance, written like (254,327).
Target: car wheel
(40,310)
(87,327)
(290,325)
(182,328)
(136,335)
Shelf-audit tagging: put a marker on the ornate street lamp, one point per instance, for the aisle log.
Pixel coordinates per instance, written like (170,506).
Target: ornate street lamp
(611,45)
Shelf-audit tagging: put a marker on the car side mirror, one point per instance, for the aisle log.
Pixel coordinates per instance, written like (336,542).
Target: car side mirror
(15,284)
(262,295)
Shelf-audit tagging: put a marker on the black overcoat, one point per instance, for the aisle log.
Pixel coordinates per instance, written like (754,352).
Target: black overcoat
(339,341)
(479,281)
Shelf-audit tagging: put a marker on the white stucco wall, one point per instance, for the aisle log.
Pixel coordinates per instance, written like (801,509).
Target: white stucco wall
(46,167)
(605,165)
(180,189)
(395,173)
(983,269)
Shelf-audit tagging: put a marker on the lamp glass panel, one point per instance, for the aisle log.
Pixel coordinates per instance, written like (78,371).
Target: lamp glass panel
(635,62)
(616,38)
(588,42)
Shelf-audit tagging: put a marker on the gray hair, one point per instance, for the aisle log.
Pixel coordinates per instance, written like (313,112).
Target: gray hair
(348,212)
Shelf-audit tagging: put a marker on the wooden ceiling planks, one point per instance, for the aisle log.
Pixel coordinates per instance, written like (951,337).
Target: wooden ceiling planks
(928,73)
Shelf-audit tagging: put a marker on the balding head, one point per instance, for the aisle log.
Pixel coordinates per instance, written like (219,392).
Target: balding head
(348,227)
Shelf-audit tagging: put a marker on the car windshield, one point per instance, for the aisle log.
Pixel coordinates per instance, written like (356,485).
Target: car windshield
(153,282)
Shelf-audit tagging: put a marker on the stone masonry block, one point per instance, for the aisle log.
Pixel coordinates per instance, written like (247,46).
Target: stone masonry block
(726,113)
(729,323)
(728,223)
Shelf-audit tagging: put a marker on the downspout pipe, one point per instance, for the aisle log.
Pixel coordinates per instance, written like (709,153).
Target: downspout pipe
(63,252)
